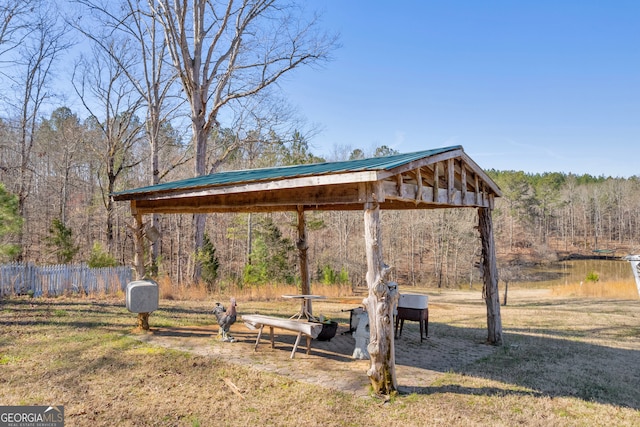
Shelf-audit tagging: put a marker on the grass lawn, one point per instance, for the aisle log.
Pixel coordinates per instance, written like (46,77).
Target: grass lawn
(566,361)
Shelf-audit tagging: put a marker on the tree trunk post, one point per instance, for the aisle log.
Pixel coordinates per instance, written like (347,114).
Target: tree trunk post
(199,221)
(490,277)
(303,246)
(380,304)
(143,321)
(506,290)
(155,246)
(143,318)
(139,243)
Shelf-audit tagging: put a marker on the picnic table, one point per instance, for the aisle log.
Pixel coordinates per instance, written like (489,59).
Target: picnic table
(305,305)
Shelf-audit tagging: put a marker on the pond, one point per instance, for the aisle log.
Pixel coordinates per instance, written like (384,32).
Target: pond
(576,271)
(584,278)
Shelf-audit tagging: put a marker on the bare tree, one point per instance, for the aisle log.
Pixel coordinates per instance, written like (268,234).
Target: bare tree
(61,140)
(112,104)
(229,50)
(40,45)
(14,24)
(151,75)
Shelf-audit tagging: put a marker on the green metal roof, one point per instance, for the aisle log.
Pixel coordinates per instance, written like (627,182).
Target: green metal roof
(282,172)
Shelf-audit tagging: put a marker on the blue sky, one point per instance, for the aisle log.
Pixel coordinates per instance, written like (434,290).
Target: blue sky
(538,86)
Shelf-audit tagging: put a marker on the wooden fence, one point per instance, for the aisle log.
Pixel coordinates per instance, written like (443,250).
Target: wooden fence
(21,279)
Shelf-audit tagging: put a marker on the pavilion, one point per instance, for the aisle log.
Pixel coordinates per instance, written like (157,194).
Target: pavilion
(431,179)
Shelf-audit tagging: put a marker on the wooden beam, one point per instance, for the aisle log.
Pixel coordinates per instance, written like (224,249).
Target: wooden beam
(399,183)
(293,184)
(303,246)
(420,186)
(138,242)
(477,170)
(431,160)
(259,201)
(463,182)
(436,181)
(451,180)
(476,182)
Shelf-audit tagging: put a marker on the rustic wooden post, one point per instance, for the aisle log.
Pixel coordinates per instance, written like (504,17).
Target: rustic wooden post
(490,277)
(139,245)
(303,246)
(143,321)
(380,304)
(143,318)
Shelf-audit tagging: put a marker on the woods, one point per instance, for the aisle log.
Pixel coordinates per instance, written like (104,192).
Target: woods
(125,111)
(438,248)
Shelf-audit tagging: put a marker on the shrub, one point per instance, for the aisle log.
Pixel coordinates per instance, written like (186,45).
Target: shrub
(343,276)
(100,258)
(329,276)
(272,256)
(10,225)
(593,277)
(209,261)
(60,239)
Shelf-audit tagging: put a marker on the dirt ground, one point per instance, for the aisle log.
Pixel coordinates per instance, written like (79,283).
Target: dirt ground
(330,364)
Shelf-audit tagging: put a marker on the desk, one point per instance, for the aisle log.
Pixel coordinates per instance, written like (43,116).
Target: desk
(305,305)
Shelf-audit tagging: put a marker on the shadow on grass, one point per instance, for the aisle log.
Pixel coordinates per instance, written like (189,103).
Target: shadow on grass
(471,391)
(91,313)
(554,365)
(90,305)
(245,341)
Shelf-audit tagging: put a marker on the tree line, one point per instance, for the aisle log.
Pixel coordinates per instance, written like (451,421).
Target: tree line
(159,92)
(540,218)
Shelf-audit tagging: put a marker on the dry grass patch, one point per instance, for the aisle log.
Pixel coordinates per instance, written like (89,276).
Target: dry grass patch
(170,290)
(566,362)
(596,289)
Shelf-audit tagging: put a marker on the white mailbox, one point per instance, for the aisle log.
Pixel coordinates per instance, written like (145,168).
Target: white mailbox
(142,296)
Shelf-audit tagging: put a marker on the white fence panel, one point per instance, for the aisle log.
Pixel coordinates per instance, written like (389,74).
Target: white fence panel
(19,279)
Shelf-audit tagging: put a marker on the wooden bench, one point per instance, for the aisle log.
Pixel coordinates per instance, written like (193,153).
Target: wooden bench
(309,329)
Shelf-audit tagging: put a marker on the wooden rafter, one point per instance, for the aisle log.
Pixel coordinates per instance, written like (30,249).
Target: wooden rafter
(451,181)
(420,188)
